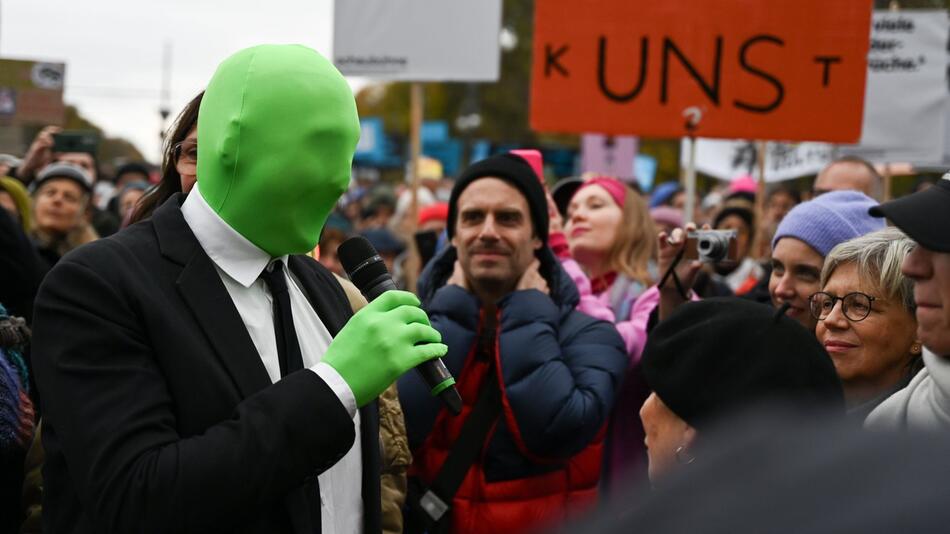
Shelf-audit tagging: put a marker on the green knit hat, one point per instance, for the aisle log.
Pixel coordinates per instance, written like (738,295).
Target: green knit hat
(22,200)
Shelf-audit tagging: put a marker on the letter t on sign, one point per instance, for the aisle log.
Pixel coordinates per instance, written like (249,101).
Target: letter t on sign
(827,61)
(551,61)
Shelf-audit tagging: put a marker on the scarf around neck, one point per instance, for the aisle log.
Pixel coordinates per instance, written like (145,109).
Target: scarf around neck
(923,405)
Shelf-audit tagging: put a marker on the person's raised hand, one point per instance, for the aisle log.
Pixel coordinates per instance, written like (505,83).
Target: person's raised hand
(532,279)
(669,246)
(40,153)
(388,337)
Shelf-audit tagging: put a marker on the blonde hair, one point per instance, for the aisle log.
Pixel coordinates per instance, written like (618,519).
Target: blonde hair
(635,245)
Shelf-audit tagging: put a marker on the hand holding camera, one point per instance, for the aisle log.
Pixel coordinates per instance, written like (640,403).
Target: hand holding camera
(696,247)
(672,249)
(712,246)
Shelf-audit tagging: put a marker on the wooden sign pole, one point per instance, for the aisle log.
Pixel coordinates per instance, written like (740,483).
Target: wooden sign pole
(759,242)
(416,105)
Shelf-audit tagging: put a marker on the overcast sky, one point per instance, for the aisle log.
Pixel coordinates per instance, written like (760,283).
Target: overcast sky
(113,49)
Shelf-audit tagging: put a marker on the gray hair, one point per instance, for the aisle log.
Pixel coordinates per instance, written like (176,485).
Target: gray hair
(878,257)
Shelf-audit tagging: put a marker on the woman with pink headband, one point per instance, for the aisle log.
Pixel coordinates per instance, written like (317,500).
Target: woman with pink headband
(608,245)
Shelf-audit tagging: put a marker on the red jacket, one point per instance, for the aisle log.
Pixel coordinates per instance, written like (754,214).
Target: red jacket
(508,505)
(558,372)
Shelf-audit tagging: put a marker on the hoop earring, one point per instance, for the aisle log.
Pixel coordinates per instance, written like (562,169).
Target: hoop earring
(683,456)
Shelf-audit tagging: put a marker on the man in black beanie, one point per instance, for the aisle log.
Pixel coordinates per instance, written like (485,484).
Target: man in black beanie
(537,378)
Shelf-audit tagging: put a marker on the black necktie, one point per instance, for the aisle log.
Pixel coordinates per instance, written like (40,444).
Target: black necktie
(288,348)
(288,353)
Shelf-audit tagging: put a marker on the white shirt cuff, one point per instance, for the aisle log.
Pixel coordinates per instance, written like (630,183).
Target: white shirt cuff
(338,385)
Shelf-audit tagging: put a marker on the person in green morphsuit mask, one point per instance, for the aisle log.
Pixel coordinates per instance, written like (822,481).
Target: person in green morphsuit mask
(204,437)
(278,127)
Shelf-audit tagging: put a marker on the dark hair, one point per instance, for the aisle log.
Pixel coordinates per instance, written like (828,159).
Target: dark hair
(171,180)
(785,190)
(739,210)
(131,168)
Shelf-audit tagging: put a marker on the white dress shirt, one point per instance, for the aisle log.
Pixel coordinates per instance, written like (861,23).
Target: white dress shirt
(239,264)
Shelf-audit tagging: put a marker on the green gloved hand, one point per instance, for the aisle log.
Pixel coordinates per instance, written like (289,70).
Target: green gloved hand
(378,344)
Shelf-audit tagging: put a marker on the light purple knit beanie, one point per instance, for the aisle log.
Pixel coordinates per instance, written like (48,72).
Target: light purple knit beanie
(828,220)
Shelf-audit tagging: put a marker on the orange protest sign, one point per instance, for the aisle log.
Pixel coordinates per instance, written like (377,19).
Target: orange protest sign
(754,69)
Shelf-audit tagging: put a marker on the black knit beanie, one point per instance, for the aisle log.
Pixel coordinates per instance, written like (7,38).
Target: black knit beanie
(722,354)
(744,213)
(514,170)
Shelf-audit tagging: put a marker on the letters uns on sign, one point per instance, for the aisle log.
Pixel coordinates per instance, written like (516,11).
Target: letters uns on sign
(782,69)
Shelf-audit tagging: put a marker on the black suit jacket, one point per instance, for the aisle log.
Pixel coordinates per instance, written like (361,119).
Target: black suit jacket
(159,415)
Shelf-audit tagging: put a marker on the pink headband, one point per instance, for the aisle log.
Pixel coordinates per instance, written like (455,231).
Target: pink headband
(613,186)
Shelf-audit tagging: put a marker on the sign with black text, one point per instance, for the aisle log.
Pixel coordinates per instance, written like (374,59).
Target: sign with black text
(907,97)
(727,159)
(417,40)
(782,69)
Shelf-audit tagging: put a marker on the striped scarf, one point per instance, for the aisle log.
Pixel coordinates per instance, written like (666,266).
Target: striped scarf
(16,408)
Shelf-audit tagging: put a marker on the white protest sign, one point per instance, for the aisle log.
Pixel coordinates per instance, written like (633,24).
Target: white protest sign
(728,159)
(417,40)
(906,97)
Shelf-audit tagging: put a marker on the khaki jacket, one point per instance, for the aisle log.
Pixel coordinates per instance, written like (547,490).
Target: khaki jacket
(393,443)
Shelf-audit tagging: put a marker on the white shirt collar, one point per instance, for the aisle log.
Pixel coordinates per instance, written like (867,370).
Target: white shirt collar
(230,251)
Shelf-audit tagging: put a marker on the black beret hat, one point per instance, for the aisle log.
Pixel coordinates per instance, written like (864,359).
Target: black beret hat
(718,355)
(514,170)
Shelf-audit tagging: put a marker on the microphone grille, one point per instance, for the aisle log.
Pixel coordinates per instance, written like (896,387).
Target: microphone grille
(352,254)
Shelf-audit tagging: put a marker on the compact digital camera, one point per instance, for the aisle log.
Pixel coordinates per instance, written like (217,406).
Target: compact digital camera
(712,246)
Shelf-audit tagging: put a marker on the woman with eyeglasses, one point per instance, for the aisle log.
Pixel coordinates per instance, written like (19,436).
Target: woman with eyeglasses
(865,314)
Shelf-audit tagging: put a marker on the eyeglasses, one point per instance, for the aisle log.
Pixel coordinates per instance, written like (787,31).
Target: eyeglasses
(186,152)
(855,306)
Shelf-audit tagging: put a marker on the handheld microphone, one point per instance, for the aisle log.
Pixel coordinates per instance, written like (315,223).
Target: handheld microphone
(368,273)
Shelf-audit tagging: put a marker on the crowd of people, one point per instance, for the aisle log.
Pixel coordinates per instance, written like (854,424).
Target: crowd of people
(594,346)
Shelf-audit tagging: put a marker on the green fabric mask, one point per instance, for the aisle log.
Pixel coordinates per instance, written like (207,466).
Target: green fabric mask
(277,129)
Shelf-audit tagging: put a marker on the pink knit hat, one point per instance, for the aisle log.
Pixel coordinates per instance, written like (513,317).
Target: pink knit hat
(613,186)
(533,157)
(744,184)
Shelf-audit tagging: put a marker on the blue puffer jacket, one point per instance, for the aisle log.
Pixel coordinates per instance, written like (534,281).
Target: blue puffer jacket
(559,371)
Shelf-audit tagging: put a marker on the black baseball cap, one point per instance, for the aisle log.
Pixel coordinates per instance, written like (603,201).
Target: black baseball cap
(924,216)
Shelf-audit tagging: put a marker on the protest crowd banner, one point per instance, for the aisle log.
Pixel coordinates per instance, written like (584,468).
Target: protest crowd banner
(380,39)
(906,89)
(727,159)
(791,70)
(613,156)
